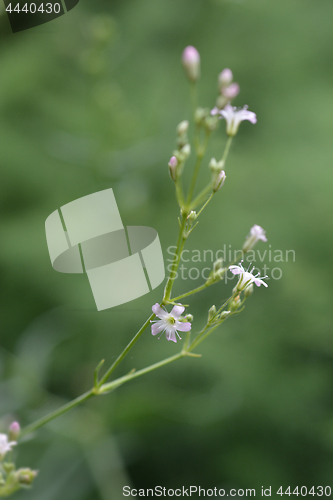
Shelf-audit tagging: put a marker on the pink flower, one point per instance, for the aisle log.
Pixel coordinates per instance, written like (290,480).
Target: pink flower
(246,278)
(169,322)
(256,233)
(234,117)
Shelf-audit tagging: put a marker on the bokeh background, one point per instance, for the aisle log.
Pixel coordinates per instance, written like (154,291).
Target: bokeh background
(91,101)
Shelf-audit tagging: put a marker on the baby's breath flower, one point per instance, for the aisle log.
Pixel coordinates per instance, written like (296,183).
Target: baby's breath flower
(246,277)
(256,233)
(169,322)
(234,117)
(5,445)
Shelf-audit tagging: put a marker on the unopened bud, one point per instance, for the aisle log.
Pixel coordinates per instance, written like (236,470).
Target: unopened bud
(188,318)
(225,78)
(192,216)
(186,151)
(219,181)
(231,91)
(14,431)
(248,290)
(182,128)
(211,314)
(173,168)
(26,476)
(216,166)
(235,303)
(217,265)
(221,101)
(224,314)
(191,63)
(211,122)
(199,115)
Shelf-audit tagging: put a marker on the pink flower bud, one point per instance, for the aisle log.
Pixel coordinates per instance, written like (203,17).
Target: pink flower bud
(173,168)
(225,77)
(231,91)
(219,181)
(191,63)
(14,431)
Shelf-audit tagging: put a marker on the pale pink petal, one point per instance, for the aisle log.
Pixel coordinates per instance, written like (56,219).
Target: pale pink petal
(244,114)
(183,327)
(235,269)
(259,282)
(171,334)
(177,311)
(157,328)
(214,111)
(161,313)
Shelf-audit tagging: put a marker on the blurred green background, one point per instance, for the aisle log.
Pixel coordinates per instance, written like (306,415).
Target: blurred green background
(91,101)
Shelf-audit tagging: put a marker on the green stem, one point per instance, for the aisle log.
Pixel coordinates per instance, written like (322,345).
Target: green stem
(203,334)
(191,292)
(179,248)
(125,351)
(200,154)
(227,149)
(198,199)
(115,383)
(51,416)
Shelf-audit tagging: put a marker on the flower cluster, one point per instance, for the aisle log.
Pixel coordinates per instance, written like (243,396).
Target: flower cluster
(12,479)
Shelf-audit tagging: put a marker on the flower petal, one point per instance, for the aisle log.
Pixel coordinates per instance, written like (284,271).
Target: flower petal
(157,327)
(177,311)
(159,311)
(235,269)
(244,114)
(183,327)
(259,282)
(171,334)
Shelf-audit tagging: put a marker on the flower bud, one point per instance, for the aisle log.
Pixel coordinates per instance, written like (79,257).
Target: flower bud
(191,63)
(14,431)
(219,181)
(211,314)
(248,290)
(173,168)
(224,314)
(192,216)
(218,265)
(221,101)
(186,151)
(25,477)
(182,128)
(199,115)
(231,91)
(235,303)
(225,78)
(188,317)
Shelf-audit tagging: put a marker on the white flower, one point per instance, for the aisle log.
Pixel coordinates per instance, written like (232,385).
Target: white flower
(234,117)
(246,277)
(5,445)
(169,322)
(256,233)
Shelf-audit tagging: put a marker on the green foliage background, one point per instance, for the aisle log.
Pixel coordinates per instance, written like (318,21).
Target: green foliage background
(91,101)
